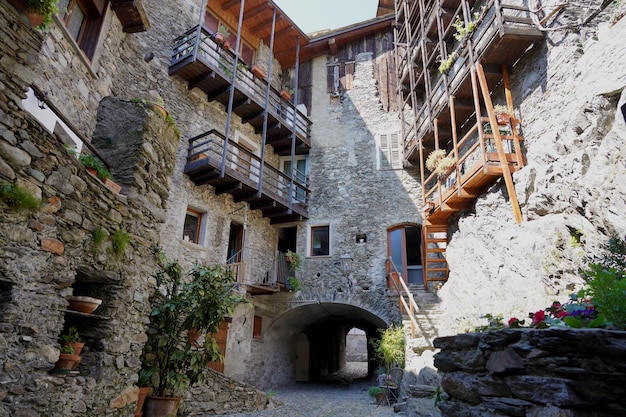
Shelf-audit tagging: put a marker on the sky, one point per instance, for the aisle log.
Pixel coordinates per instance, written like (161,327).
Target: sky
(314,15)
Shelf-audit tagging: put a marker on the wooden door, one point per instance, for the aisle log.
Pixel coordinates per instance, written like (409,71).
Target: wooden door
(221,337)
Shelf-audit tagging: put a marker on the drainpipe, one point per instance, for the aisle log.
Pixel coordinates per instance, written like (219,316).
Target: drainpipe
(231,95)
(267,100)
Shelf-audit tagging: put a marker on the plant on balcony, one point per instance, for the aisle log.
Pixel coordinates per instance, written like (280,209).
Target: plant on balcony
(447,63)
(503,114)
(463,29)
(221,34)
(286,92)
(295,263)
(258,71)
(438,162)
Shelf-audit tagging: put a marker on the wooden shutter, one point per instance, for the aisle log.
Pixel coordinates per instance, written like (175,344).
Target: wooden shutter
(384,152)
(221,337)
(395,156)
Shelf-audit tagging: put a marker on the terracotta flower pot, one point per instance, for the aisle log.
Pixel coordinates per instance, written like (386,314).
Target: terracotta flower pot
(503,118)
(285,95)
(21,6)
(78,347)
(66,363)
(142,393)
(219,38)
(84,304)
(161,406)
(258,71)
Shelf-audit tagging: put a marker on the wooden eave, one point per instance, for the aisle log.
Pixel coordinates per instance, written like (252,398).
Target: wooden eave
(385,7)
(328,41)
(131,15)
(257,24)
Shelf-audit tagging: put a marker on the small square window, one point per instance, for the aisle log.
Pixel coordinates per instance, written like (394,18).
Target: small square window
(320,242)
(257,328)
(191,229)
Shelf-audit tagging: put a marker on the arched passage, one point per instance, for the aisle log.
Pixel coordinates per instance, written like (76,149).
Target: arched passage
(318,331)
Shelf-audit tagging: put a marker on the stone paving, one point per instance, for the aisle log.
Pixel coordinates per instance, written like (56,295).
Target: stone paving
(325,400)
(344,395)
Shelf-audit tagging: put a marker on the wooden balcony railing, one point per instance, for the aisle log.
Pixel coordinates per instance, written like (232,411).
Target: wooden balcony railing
(477,165)
(231,168)
(206,65)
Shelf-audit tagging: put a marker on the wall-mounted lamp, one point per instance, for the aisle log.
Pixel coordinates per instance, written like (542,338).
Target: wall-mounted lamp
(346,263)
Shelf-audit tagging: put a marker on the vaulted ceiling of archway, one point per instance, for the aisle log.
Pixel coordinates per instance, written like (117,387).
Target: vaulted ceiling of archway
(300,318)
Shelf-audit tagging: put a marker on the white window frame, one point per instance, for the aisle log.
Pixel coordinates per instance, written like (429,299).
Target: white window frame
(388,153)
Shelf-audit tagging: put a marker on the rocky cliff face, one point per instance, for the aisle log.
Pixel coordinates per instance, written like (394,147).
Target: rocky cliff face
(572,103)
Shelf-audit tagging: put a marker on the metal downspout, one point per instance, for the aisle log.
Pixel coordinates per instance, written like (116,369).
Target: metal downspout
(293,133)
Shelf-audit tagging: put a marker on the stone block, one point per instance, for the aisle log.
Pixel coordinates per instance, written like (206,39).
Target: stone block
(52,245)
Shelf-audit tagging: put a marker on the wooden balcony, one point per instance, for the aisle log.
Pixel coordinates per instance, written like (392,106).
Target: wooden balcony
(231,168)
(271,283)
(476,168)
(503,34)
(206,65)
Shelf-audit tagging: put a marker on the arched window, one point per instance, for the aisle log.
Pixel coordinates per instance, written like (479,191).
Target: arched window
(404,247)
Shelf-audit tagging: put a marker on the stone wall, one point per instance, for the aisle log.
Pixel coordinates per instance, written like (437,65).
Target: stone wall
(533,373)
(49,254)
(568,92)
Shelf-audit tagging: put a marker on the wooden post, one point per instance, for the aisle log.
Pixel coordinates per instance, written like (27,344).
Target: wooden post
(506,172)
(509,102)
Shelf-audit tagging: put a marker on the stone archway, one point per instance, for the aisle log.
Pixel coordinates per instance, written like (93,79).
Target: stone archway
(315,333)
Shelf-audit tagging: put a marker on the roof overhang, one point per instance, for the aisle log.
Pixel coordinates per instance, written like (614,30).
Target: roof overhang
(329,42)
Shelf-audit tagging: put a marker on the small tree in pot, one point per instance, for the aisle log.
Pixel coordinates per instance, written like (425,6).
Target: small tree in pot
(198,303)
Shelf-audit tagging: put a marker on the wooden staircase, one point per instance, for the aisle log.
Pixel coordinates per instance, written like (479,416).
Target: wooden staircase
(434,244)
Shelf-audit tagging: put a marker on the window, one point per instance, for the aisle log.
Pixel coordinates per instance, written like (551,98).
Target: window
(246,52)
(83,20)
(257,328)
(192,227)
(300,176)
(389,155)
(320,241)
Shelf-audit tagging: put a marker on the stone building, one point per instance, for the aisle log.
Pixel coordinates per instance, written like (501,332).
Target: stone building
(323,179)
(338,178)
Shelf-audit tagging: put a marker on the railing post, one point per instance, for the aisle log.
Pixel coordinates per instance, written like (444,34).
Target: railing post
(267,100)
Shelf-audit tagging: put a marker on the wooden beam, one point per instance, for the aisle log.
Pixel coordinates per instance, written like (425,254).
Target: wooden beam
(506,172)
(198,80)
(255,11)
(228,188)
(230,3)
(263,25)
(332,46)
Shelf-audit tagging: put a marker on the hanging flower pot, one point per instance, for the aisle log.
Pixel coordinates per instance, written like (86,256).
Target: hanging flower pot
(286,95)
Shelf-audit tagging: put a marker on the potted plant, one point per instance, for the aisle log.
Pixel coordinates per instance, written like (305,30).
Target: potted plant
(221,34)
(295,263)
(199,300)
(38,12)
(144,390)
(96,167)
(377,392)
(439,163)
(258,71)
(72,338)
(68,360)
(286,92)
(503,114)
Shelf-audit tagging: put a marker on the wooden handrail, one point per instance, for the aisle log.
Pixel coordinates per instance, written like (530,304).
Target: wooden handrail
(410,306)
